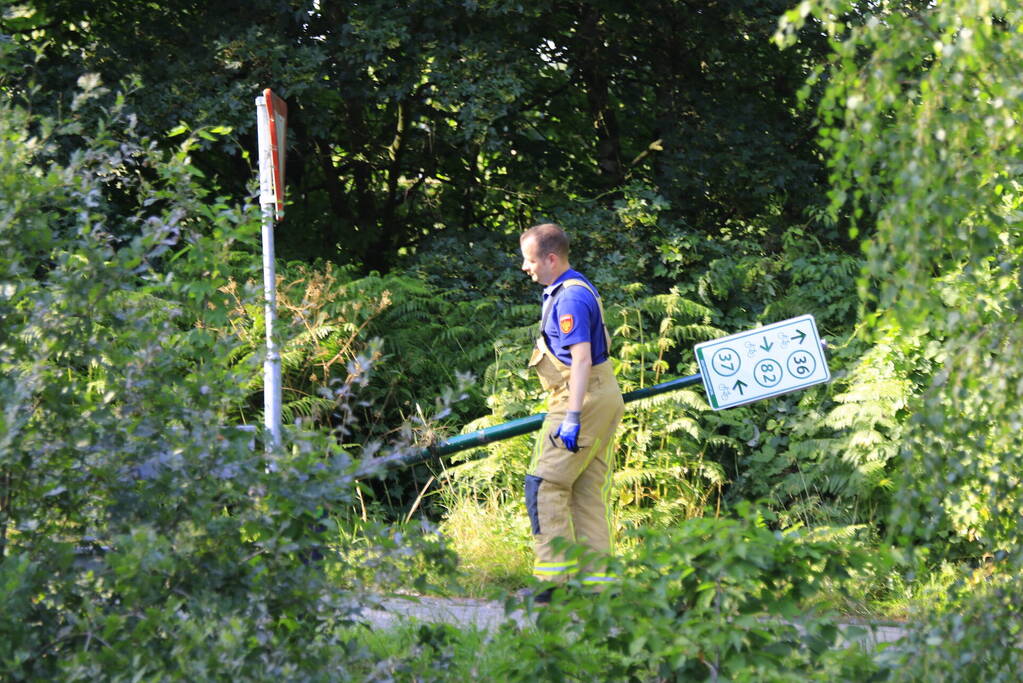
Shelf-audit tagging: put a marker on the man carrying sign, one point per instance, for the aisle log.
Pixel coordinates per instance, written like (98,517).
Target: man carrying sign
(566,492)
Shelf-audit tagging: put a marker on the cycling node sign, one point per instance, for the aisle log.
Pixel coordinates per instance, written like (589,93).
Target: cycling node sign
(271,129)
(764,362)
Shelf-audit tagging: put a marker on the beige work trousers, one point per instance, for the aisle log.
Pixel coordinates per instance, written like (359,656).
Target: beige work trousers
(567,493)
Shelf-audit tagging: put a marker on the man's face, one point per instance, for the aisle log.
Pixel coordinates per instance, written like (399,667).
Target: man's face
(540,268)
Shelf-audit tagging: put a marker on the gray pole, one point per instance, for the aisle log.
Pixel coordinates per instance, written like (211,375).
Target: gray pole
(272,364)
(268,203)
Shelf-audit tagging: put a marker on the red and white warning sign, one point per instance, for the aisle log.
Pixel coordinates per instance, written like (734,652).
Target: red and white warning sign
(272,127)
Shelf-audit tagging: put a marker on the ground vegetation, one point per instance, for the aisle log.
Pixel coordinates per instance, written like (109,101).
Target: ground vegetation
(719,165)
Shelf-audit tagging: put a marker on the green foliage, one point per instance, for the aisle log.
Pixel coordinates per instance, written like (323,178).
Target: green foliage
(452,120)
(319,335)
(666,467)
(328,318)
(491,536)
(749,286)
(977,639)
(920,117)
(831,455)
(421,340)
(141,533)
(421,652)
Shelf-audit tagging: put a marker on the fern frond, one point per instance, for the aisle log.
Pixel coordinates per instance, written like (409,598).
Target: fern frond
(871,470)
(865,439)
(871,392)
(847,532)
(631,476)
(306,406)
(695,333)
(673,305)
(685,425)
(723,441)
(813,449)
(848,415)
(684,398)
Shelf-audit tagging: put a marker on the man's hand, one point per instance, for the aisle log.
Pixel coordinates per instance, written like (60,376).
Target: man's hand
(568,432)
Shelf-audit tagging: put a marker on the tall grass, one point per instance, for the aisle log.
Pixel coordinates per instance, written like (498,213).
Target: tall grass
(491,537)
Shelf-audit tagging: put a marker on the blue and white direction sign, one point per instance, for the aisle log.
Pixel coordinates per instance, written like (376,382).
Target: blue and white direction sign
(768,361)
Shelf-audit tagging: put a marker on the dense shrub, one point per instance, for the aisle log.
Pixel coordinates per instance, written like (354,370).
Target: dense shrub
(712,599)
(142,534)
(977,636)
(920,116)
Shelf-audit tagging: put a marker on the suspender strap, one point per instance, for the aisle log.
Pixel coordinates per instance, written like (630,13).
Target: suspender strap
(574,282)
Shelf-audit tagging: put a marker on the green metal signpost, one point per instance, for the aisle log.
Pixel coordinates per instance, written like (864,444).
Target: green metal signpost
(525,425)
(797,366)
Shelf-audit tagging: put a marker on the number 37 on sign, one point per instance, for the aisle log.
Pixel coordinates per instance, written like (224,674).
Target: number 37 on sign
(768,361)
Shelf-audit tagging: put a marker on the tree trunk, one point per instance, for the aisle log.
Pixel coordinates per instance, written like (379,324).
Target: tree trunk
(590,58)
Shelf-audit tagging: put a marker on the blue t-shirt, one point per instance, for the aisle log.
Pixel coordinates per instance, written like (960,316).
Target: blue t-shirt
(575,318)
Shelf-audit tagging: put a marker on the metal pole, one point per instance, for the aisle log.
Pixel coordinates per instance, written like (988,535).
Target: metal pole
(524,425)
(272,363)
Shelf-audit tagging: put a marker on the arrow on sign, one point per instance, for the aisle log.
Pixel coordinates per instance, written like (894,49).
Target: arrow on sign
(800,335)
(766,346)
(739,386)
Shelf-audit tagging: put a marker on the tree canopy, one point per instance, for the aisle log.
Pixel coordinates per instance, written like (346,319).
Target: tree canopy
(866,172)
(467,119)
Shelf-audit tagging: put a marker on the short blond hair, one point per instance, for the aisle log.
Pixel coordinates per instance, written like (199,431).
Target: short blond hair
(550,239)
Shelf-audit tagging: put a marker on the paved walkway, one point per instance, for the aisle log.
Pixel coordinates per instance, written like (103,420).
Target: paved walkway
(484,614)
(489,615)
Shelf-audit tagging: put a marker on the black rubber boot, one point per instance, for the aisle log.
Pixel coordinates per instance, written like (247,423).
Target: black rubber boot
(538,597)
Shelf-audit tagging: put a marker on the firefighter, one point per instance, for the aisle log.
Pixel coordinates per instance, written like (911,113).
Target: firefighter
(570,474)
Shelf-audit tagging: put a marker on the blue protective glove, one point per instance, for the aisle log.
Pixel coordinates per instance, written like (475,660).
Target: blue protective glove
(568,432)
